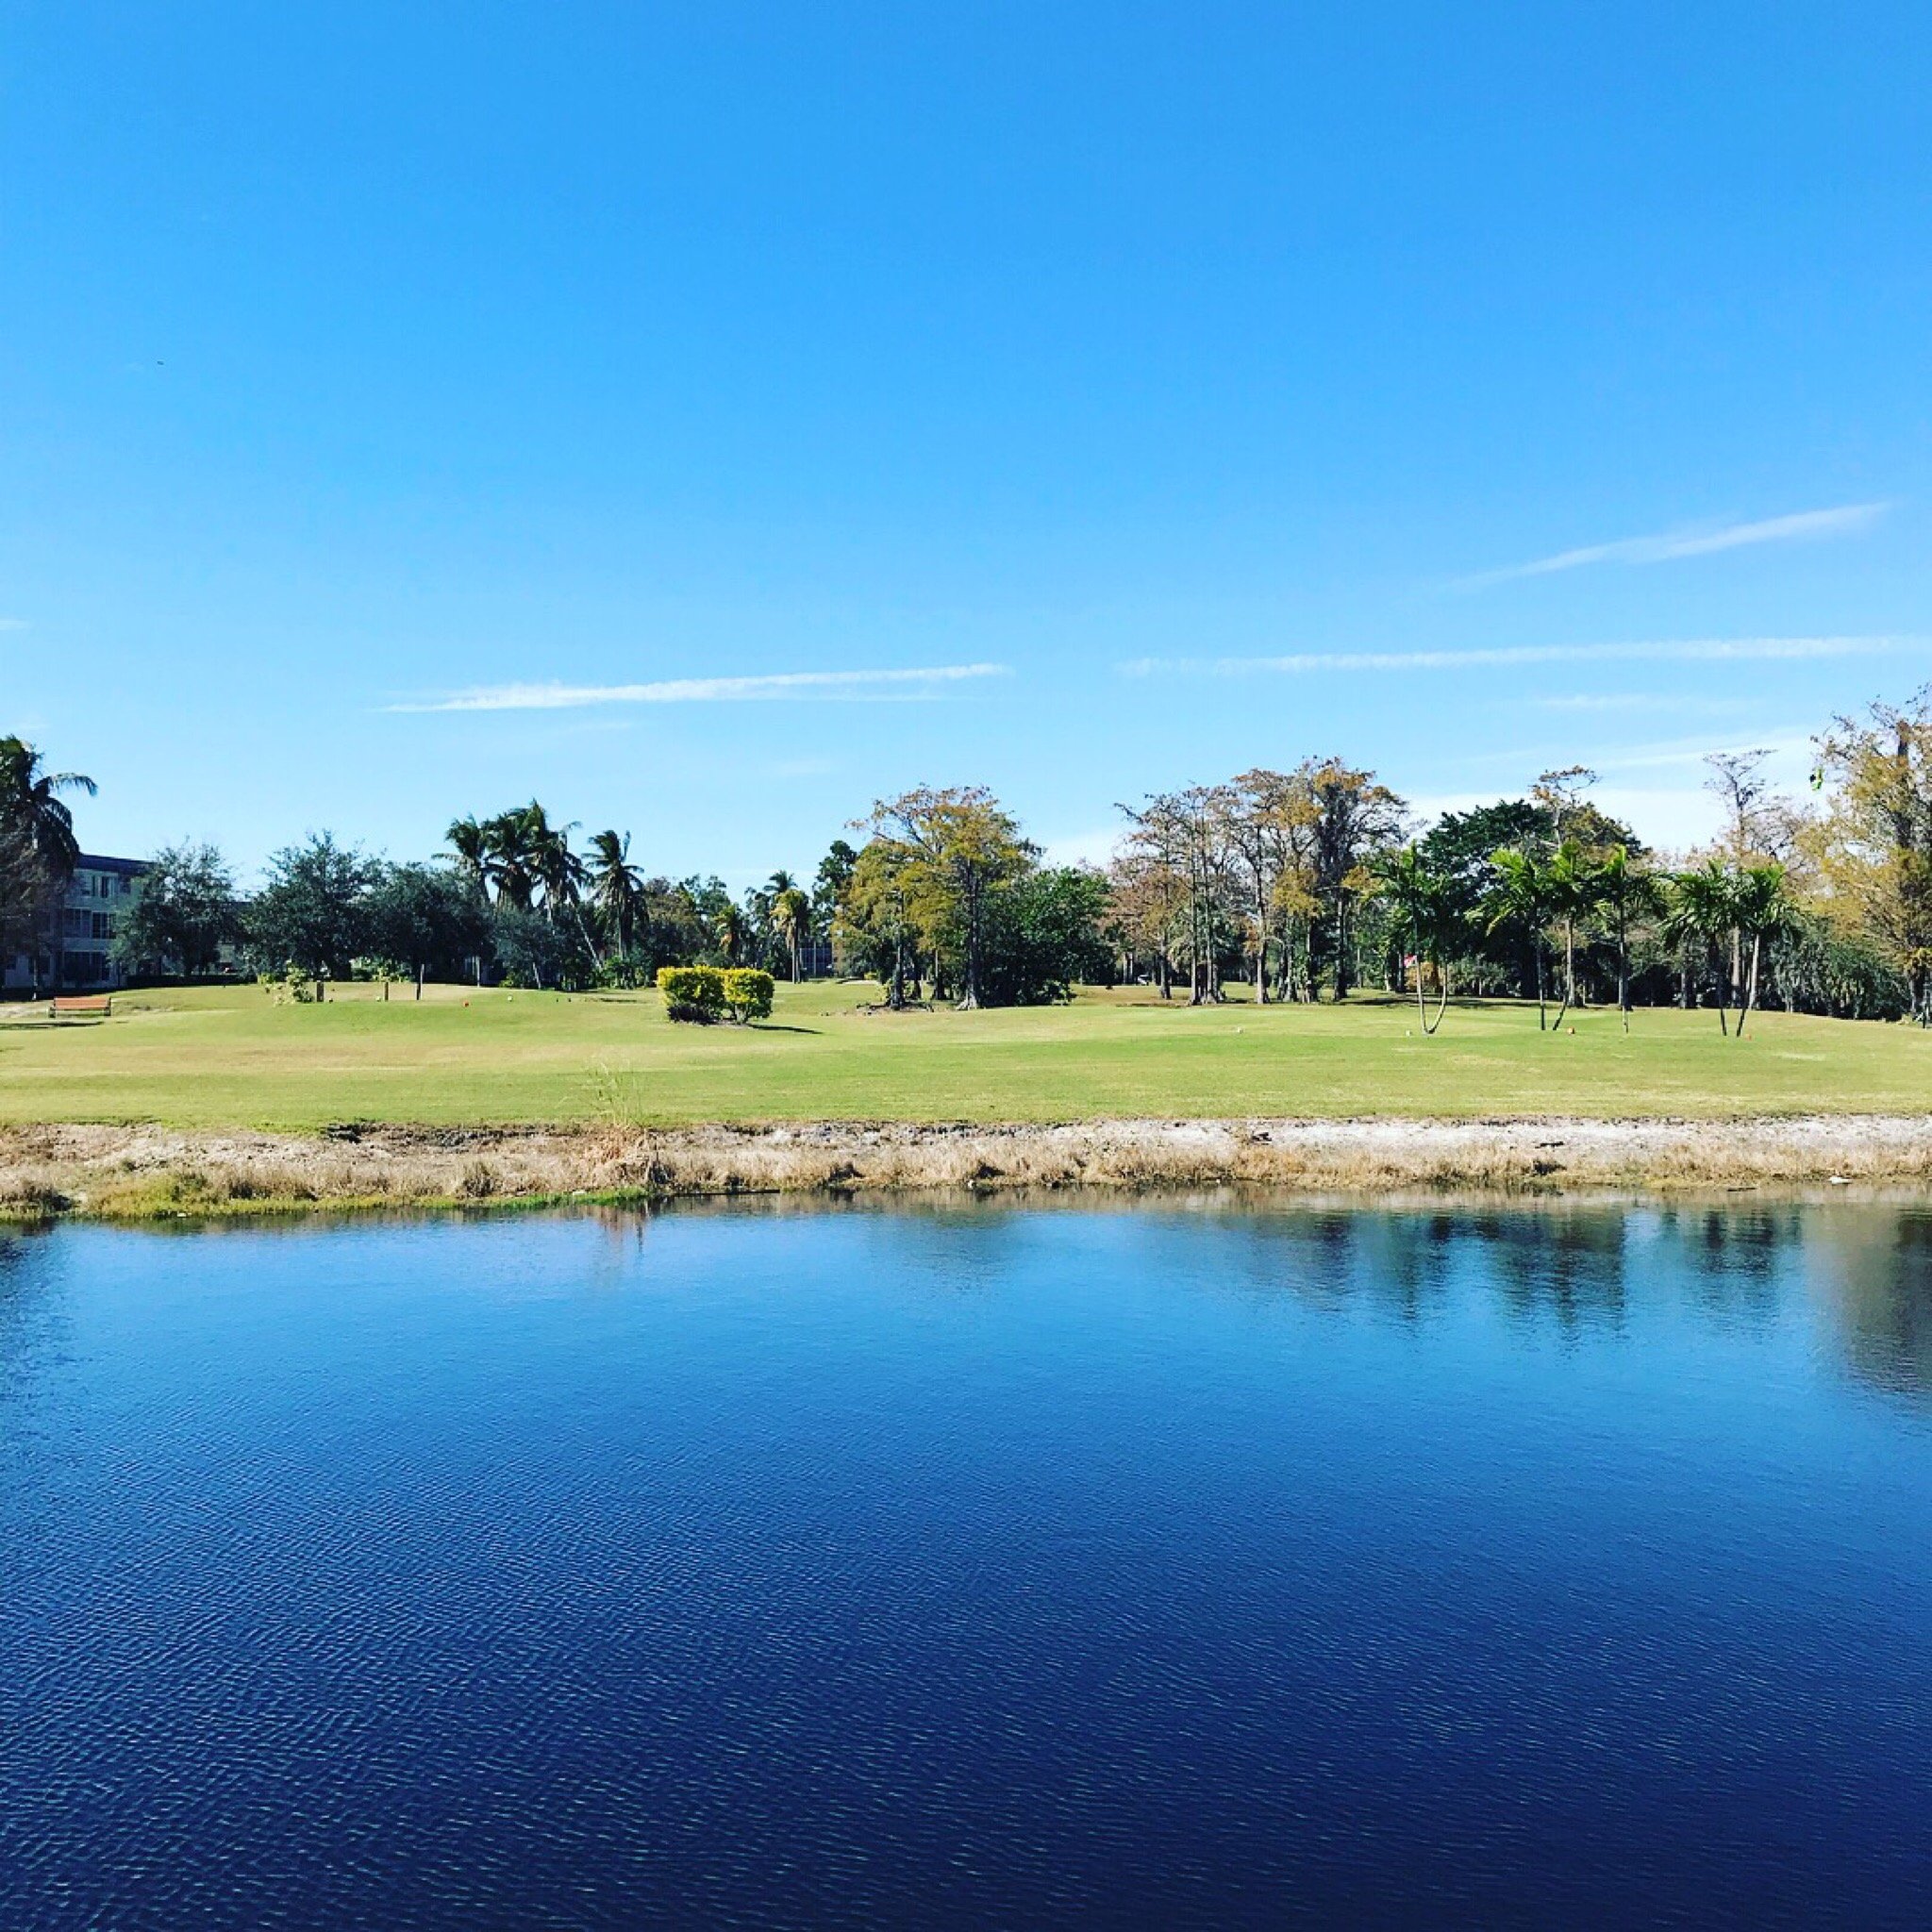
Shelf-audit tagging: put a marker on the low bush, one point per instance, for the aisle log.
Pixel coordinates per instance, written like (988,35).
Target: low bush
(702,995)
(692,993)
(290,987)
(748,994)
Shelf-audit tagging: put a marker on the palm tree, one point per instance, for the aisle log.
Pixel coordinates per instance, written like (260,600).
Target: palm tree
(558,870)
(469,838)
(508,861)
(1624,894)
(1419,898)
(616,885)
(1702,909)
(1568,882)
(37,849)
(1519,896)
(791,921)
(1761,905)
(730,931)
(36,829)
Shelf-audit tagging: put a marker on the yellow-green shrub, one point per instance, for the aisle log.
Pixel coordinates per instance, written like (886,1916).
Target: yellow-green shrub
(693,993)
(748,994)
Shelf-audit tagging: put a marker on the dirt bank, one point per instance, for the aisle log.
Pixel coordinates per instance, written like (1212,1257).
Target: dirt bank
(134,1172)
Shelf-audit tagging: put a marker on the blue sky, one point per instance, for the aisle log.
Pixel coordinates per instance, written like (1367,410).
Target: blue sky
(408,409)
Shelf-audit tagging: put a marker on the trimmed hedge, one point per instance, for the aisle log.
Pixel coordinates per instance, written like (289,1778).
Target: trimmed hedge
(693,993)
(748,994)
(705,993)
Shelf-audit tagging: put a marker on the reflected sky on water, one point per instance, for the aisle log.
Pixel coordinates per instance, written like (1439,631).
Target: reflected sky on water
(1229,1562)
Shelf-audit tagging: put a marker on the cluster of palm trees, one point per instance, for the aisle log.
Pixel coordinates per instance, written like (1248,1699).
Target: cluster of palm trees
(1732,913)
(1720,915)
(523,861)
(780,908)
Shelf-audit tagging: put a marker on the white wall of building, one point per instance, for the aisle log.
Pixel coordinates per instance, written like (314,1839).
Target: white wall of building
(79,955)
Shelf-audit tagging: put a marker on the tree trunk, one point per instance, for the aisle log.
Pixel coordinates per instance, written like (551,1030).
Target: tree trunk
(1569,975)
(1421,1010)
(1750,983)
(969,993)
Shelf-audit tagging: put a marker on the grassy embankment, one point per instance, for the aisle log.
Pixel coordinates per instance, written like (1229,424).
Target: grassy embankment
(226,1059)
(217,1101)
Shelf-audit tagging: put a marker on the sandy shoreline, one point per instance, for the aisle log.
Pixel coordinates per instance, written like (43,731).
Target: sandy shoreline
(134,1172)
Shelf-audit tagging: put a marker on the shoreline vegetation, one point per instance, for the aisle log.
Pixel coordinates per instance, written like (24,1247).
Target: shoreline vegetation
(133,1174)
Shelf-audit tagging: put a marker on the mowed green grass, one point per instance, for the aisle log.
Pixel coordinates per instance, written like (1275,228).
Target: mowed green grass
(226,1057)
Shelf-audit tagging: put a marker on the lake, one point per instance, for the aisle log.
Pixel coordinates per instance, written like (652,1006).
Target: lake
(1216,1563)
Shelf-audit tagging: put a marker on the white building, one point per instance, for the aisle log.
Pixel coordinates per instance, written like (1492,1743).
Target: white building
(79,955)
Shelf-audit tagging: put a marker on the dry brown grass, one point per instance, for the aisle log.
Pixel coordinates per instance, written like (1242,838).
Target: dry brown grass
(130,1173)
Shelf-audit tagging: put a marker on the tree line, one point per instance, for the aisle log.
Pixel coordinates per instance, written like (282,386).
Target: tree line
(1306,884)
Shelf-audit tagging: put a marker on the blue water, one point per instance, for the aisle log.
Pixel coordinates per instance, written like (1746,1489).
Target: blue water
(1150,1566)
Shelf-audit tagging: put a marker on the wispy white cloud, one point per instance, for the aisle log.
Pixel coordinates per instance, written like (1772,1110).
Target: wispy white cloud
(13,623)
(1654,650)
(1637,701)
(925,681)
(1790,741)
(1667,546)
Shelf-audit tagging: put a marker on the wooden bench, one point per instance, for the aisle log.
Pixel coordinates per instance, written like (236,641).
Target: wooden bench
(78,1005)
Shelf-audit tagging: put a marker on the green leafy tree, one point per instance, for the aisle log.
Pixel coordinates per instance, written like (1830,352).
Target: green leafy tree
(1877,838)
(308,918)
(1352,819)
(184,914)
(878,918)
(961,850)
(829,885)
(424,920)
(531,949)
(1045,937)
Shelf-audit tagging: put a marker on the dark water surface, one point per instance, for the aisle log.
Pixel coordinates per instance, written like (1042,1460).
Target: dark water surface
(1155,1566)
